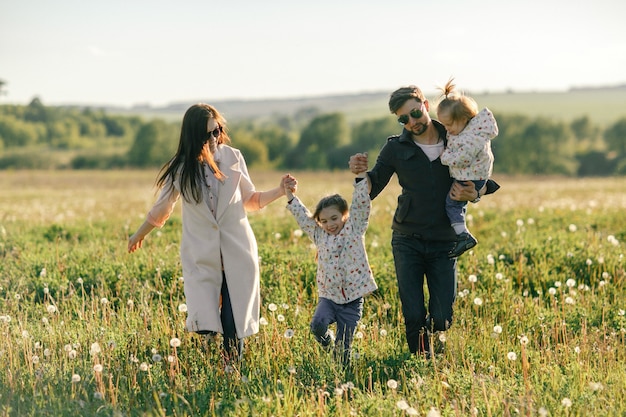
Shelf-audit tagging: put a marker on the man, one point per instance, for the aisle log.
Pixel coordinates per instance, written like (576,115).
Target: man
(422,236)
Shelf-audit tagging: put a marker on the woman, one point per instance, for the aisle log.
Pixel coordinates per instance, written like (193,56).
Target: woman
(218,248)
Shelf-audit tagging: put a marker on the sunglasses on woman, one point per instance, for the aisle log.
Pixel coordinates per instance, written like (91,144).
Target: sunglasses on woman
(215,133)
(415,113)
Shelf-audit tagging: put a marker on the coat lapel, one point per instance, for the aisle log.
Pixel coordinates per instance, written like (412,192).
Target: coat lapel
(227,189)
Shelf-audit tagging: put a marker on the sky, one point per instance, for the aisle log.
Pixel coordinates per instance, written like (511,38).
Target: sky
(137,52)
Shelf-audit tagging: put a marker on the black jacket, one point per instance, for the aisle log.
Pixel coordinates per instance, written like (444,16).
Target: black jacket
(421,206)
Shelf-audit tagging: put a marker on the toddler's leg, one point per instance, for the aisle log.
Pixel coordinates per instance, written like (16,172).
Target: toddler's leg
(323,317)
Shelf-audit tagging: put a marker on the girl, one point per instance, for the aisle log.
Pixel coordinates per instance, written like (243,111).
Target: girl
(467,154)
(218,249)
(343,276)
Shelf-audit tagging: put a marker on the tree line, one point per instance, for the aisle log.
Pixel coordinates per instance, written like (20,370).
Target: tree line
(44,137)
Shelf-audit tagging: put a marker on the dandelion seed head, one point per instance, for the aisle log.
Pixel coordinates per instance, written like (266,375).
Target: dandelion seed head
(25,334)
(46,290)
(512,356)
(338,391)
(572,228)
(95,349)
(596,386)
(589,262)
(569,300)
(263,321)
(280,317)
(497,329)
(523,340)
(519,222)
(289,333)
(557,284)
(35,359)
(97,395)
(171,359)
(552,291)
(174,342)
(182,308)
(97,368)
(392,384)
(433,412)
(272,307)
(157,358)
(44,321)
(402,405)
(472,278)
(291,369)
(277,236)
(383,332)
(43,272)
(359,335)
(297,233)
(79,281)
(478,301)
(51,309)
(566,402)
(570,282)
(143,366)
(75,378)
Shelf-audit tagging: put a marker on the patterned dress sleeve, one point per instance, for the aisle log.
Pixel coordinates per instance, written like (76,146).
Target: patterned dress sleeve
(360,207)
(303,217)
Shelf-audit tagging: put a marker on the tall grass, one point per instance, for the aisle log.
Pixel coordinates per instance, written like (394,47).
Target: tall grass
(87,329)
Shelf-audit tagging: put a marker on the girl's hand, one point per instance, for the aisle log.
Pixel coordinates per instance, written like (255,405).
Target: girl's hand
(289,185)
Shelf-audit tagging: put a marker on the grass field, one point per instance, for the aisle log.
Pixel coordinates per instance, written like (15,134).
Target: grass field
(87,329)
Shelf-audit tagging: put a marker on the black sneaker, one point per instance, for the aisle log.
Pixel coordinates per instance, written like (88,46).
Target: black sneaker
(465,241)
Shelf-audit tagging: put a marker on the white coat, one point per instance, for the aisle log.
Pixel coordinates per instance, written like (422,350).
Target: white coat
(211,242)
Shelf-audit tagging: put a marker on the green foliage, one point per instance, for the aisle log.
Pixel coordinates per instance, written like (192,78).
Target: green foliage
(306,137)
(154,145)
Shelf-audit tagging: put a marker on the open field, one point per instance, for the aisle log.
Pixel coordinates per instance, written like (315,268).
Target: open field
(87,329)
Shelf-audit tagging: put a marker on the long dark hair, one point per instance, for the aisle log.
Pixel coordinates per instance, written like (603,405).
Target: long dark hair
(192,152)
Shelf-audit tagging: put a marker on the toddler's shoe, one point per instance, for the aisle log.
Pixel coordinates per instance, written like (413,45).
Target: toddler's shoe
(464,242)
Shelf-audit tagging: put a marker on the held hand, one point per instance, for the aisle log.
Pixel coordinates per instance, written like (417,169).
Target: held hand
(463,191)
(358,163)
(289,185)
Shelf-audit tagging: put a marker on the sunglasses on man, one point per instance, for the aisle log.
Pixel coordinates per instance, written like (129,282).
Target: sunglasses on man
(415,113)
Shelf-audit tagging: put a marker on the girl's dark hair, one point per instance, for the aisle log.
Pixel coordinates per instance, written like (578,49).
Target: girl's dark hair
(192,152)
(332,200)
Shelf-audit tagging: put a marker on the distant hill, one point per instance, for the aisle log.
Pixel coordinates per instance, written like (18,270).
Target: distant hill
(603,105)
